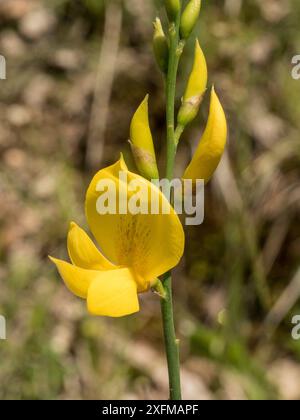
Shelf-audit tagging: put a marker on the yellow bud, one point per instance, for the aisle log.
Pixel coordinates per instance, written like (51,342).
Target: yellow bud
(212,144)
(173,8)
(141,142)
(160,46)
(189,18)
(195,89)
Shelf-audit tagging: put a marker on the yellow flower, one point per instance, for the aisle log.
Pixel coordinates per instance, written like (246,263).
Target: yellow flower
(212,144)
(141,142)
(138,248)
(195,89)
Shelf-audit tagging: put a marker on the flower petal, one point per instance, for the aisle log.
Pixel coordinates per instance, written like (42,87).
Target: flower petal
(77,280)
(151,244)
(108,293)
(113,293)
(83,252)
(211,146)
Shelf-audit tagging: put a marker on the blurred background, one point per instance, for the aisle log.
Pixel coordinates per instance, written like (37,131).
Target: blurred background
(76,71)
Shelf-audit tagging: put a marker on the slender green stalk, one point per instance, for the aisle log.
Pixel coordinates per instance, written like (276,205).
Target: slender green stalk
(175,52)
(171,342)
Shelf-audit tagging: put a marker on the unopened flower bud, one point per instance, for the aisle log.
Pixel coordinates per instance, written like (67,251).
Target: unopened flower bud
(141,142)
(160,46)
(211,146)
(173,8)
(195,89)
(189,18)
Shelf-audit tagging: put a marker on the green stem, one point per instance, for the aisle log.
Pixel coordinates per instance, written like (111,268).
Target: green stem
(176,48)
(171,342)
